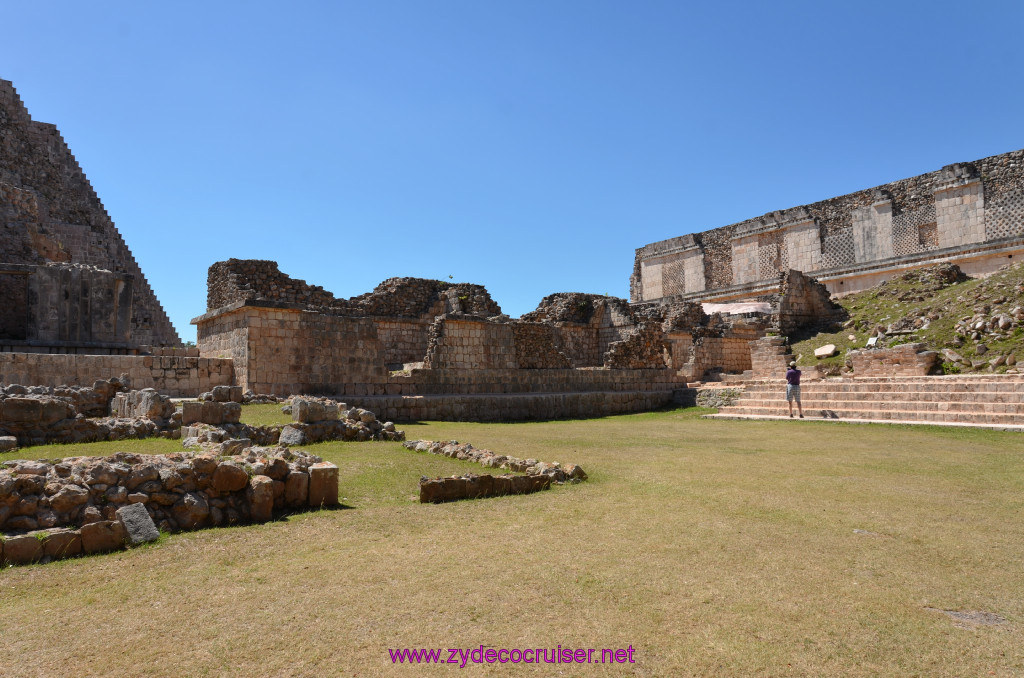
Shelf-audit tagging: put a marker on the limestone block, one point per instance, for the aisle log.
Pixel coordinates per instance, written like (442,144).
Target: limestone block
(231,412)
(191,413)
(62,544)
(8,443)
(261,498)
(212,413)
(291,435)
(323,484)
(229,477)
(21,410)
(102,536)
(139,526)
(826,351)
(22,549)
(296,488)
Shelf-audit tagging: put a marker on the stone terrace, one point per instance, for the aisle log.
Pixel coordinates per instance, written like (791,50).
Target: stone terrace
(995,401)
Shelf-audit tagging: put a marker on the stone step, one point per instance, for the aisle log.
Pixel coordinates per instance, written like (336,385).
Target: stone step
(809,417)
(910,396)
(873,414)
(933,406)
(817,387)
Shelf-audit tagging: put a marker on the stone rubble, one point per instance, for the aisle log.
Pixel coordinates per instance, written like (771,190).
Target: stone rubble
(87,504)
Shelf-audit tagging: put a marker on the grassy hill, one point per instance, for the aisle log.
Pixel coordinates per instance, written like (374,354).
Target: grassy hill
(978,324)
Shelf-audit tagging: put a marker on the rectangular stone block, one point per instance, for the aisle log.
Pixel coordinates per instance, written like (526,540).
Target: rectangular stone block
(102,536)
(323,484)
(139,526)
(191,413)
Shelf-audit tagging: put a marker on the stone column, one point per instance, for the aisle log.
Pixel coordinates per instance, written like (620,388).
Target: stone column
(872,230)
(803,243)
(745,267)
(959,209)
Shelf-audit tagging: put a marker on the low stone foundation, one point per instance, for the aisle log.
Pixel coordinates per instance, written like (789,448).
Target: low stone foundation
(41,416)
(905,360)
(470,486)
(174,375)
(514,407)
(71,506)
(539,474)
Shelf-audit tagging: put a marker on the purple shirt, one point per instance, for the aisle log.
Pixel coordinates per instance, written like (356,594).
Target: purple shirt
(793,376)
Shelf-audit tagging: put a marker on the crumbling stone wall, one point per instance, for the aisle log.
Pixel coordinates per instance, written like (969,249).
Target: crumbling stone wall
(538,346)
(237,281)
(805,303)
(241,280)
(470,344)
(50,213)
(905,360)
(179,491)
(177,376)
(644,348)
(37,415)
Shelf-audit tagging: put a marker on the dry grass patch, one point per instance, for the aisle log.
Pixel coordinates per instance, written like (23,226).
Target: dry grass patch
(713,547)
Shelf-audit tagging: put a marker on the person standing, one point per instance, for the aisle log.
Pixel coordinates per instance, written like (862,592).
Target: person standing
(793,389)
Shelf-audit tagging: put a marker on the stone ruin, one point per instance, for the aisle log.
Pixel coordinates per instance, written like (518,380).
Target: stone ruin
(69,281)
(966,213)
(538,475)
(417,348)
(65,507)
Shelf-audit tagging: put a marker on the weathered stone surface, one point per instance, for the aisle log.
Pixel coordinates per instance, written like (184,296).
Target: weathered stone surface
(261,498)
(231,412)
(22,549)
(102,536)
(62,544)
(323,484)
(229,478)
(8,443)
(191,511)
(138,524)
(826,351)
(191,412)
(68,498)
(292,436)
(296,489)
(22,410)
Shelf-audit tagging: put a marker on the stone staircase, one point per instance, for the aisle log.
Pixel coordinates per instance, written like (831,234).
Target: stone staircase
(994,401)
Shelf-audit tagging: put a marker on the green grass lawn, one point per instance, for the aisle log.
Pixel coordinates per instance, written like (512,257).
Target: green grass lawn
(725,548)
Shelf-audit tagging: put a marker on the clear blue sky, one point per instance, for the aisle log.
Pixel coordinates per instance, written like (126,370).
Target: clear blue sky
(527,146)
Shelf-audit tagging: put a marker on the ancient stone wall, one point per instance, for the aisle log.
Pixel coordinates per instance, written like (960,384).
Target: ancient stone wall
(538,346)
(805,303)
(50,213)
(76,501)
(171,375)
(240,281)
(515,407)
(470,344)
(291,351)
(966,212)
(905,360)
(481,382)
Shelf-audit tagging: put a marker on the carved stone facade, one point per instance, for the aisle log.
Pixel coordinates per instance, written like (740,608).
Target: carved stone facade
(971,214)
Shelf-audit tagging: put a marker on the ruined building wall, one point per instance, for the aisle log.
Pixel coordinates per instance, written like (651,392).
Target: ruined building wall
(971,213)
(176,376)
(50,213)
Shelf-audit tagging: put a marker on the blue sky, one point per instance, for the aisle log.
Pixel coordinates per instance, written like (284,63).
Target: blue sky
(526,146)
